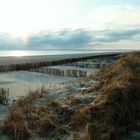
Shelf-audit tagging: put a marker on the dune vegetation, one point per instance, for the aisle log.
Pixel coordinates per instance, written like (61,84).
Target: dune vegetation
(111,112)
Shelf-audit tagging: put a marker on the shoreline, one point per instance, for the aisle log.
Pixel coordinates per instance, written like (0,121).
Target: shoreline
(5,61)
(33,62)
(21,77)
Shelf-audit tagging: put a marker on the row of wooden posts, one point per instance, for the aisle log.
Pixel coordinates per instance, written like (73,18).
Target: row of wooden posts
(29,66)
(62,72)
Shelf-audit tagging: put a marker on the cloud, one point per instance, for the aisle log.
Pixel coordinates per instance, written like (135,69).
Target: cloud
(71,39)
(7,41)
(80,38)
(115,36)
(115,17)
(62,39)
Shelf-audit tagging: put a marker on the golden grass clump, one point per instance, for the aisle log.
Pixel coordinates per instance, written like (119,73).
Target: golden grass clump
(16,125)
(90,132)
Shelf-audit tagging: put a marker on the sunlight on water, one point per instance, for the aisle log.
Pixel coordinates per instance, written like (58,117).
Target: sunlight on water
(17,53)
(20,53)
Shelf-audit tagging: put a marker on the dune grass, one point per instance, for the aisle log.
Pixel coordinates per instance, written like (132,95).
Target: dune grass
(116,109)
(110,116)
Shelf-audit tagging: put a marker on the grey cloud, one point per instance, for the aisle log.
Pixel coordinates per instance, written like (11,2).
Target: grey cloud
(80,38)
(68,39)
(62,39)
(114,36)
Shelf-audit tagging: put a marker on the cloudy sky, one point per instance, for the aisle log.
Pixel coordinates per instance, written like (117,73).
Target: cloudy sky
(69,24)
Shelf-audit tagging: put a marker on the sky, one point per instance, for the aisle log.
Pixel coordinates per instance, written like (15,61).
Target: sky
(69,24)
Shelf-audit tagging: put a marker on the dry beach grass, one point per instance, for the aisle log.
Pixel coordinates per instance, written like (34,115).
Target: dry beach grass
(110,116)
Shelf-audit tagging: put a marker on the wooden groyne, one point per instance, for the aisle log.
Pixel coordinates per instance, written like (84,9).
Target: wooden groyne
(62,72)
(34,65)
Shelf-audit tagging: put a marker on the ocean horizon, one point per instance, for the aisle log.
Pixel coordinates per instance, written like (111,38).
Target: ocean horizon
(20,53)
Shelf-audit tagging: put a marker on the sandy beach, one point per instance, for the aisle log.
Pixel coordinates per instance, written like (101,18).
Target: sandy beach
(19,82)
(46,58)
(66,90)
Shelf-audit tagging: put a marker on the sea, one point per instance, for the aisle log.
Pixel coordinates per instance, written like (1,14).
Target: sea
(20,53)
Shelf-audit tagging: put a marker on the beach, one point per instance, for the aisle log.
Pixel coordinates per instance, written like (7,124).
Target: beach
(65,93)
(19,82)
(47,58)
